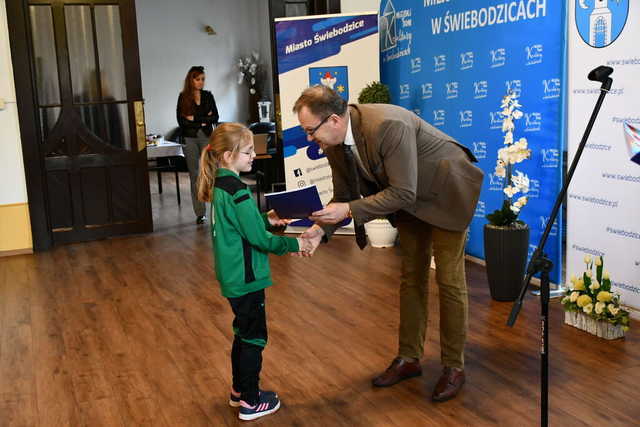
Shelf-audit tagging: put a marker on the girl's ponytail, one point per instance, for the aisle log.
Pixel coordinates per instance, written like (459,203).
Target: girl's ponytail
(207,175)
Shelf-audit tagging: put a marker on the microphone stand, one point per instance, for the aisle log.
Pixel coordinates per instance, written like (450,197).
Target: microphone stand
(539,262)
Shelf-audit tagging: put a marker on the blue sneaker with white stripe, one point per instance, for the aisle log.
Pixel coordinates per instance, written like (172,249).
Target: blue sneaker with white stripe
(267,404)
(235,401)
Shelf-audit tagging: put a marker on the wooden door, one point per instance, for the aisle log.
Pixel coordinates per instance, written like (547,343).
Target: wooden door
(78,86)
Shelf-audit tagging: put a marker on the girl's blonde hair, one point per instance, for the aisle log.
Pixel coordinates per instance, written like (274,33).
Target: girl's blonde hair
(226,137)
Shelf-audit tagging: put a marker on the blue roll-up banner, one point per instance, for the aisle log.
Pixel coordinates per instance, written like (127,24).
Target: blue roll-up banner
(338,51)
(452,61)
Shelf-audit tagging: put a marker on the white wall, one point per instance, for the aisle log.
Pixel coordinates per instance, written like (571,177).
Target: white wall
(172,39)
(350,6)
(13,187)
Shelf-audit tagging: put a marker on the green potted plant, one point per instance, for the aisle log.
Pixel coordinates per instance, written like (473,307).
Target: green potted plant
(380,232)
(375,93)
(506,238)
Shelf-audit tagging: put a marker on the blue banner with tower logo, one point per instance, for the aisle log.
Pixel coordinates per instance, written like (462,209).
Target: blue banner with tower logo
(452,61)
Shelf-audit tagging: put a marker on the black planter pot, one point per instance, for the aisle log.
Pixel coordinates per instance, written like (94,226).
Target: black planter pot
(505,252)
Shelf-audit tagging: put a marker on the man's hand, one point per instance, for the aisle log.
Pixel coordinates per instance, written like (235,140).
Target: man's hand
(189,118)
(333,213)
(275,220)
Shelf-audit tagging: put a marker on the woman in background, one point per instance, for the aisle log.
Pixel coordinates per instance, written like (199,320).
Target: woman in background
(197,114)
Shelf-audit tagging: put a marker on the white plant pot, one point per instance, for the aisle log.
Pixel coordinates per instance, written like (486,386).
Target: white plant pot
(380,233)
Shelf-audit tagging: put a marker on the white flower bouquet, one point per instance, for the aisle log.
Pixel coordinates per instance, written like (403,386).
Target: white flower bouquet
(512,153)
(250,72)
(593,297)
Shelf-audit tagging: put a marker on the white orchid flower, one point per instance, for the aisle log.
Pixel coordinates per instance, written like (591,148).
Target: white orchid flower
(514,208)
(521,181)
(252,91)
(240,77)
(503,155)
(500,170)
(510,191)
(517,114)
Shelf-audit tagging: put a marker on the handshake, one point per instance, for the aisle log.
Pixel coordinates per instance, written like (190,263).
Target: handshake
(307,241)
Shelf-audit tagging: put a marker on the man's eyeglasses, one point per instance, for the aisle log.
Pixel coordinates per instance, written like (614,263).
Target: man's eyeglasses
(312,131)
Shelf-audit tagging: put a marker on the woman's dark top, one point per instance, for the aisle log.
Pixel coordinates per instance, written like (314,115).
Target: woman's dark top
(201,117)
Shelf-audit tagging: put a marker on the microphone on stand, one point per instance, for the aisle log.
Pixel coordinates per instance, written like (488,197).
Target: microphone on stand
(539,263)
(600,74)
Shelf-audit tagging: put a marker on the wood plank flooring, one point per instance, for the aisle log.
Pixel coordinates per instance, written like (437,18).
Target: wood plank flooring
(134,332)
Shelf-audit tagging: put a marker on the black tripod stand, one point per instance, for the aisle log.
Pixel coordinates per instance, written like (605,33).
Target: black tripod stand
(539,262)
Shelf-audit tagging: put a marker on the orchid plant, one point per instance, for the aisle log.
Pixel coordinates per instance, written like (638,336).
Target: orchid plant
(249,70)
(512,153)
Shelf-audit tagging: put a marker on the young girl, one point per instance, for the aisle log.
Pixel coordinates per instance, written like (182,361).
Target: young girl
(241,245)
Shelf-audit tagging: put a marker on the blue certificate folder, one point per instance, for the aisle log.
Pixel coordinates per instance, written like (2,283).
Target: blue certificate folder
(295,204)
(298,204)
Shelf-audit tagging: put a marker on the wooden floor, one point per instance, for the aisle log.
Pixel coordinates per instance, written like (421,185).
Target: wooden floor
(133,331)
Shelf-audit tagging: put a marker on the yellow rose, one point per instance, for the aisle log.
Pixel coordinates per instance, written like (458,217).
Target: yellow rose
(600,307)
(613,309)
(599,261)
(588,308)
(579,285)
(574,296)
(595,285)
(604,296)
(583,300)
(605,275)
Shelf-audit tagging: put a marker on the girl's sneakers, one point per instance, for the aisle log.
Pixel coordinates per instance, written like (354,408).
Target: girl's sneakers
(268,403)
(234,401)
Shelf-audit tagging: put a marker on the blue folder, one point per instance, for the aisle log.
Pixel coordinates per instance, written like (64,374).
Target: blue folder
(298,204)
(295,204)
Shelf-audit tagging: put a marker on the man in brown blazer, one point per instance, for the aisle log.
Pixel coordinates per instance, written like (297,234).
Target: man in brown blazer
(386,161)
